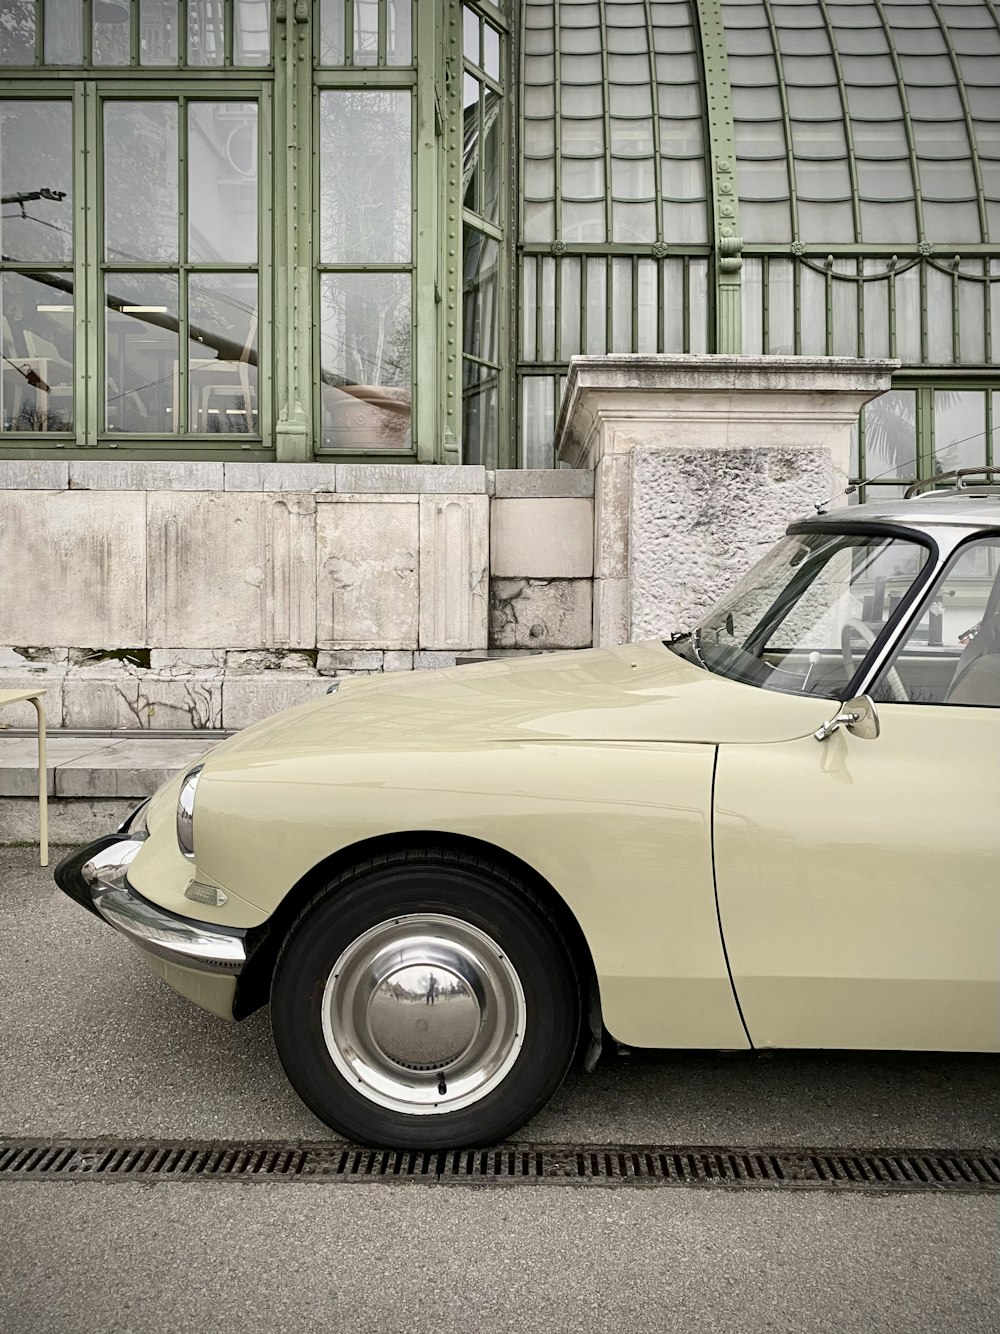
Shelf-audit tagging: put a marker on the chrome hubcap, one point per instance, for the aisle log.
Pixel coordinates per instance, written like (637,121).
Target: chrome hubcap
(423,1014)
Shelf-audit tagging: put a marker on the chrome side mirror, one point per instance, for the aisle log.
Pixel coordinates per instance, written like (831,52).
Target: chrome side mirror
(858,716)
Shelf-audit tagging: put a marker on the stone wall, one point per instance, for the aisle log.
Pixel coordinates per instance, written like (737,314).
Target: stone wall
(179,596)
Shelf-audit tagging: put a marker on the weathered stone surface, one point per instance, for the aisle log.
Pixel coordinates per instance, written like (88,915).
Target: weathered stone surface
(231,570)
(135,475)
(700,518)
(518,483)
(281,477)
(102,703)
(611,612)
(187,661)
(542,539)
(407,479)
(424,661)
(126,768)
(397,660)
(186,702)
(268,660)
(331,662)
(73,568)
(33,475)
(25,658)
(367,558)
(19,761)
(248,699)
(535,613)
(454,571)
(613,477)
(49,679)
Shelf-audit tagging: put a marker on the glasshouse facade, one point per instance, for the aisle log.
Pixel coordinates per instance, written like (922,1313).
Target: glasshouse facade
(235,229)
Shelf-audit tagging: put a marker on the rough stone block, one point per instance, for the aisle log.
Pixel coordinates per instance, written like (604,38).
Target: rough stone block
(611,516)
(367,559)
(701,517)
(423,661)
(73,568)
(30,659)
(303,477)
(33,475)
(231,570)
(542,539)
(248,699)
(135,475)
(541,614)
(255,661)
(611,604)
(331,662)
(454,571)
(397,660)
(23,714)
(410,479)
(187,661)
(524,483)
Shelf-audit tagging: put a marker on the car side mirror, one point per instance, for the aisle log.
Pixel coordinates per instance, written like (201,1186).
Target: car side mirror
(858,716)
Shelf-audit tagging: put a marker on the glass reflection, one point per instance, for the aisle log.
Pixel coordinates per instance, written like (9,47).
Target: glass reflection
(480,305)
(399,33)
(959,429)
(222,353)
(331,32)
(251,32)
(222,182)
(36,319)
(141,353)
(63,32)
(890,424)
(206,32)
(158,32)
(112,33)
(365,212)
(17,32)
(36,169)
(365,339)
(366,32)
(479,415)
(140,181)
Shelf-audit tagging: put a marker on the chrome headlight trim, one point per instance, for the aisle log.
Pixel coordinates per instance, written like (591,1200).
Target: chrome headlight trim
(185,811)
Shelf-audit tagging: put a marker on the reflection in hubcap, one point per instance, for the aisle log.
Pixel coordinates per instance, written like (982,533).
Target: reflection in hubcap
(423,1014)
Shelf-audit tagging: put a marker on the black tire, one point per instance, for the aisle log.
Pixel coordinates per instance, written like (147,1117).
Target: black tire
(390,887)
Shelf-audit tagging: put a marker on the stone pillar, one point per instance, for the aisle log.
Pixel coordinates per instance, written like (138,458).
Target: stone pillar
(700,464)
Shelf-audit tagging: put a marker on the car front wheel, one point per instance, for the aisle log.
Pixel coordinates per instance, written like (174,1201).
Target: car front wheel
(425,1001)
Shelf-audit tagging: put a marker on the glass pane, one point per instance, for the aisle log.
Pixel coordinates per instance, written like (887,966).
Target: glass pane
(331,32)
(812,312)
(222,182)
(547,309)
(366,32)
(621,305)
(596,309)
(570,310)
(222,353)
(529,303)
(472,131)
(112,33)
(140,353)
(252,32)
(492,113)
(537,421)
(140,181)
(491,51)
(157,32)
(365,177)
(844,298)
(891,435)
(63,32)
(470,34)
(206,36)
(634,222)
(36,318)
(399,35)
(972,320)
(876,297)
(480,311)
(365,361)
(780,307)
(17,32)
(753,308)
(908,321)
(940,347)
(36,176)
(479,415)
(959,429)
(647,307)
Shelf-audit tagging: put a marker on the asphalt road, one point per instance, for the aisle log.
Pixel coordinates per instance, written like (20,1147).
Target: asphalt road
(90,1044)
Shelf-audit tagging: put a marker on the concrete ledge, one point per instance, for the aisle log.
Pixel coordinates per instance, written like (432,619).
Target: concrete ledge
(95,767)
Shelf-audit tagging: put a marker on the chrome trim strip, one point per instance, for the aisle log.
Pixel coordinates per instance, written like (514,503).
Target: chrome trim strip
(193,944)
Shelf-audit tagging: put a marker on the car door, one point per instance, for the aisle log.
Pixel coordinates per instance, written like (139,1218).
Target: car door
(859,880)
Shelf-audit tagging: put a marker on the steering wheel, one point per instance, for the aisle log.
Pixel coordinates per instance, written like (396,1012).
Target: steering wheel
(892,678)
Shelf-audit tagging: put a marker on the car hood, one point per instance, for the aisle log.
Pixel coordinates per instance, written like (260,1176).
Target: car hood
(635,692)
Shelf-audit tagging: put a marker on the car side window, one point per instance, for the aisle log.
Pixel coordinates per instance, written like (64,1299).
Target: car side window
(951,655)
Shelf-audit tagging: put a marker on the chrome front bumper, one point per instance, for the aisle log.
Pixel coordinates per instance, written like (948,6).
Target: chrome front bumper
(193,945)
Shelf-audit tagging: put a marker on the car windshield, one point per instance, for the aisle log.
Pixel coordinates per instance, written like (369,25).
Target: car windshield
(805,617)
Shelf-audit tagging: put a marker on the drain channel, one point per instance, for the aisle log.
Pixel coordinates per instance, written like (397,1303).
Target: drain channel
(882,1170)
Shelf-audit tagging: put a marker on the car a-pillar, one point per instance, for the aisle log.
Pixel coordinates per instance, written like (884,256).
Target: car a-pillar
(700,464)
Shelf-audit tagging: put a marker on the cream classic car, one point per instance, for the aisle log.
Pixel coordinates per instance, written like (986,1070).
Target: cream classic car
(779,830)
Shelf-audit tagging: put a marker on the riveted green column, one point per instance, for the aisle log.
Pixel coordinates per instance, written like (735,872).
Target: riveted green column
(722,152)
(292,270)
(449,73)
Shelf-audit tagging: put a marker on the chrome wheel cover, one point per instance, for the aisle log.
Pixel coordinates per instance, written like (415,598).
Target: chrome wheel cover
(423,1014)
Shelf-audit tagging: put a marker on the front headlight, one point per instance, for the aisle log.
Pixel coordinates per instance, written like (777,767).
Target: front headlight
(185,812)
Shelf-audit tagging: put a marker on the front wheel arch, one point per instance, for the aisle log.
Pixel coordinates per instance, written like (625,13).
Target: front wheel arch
(264,943)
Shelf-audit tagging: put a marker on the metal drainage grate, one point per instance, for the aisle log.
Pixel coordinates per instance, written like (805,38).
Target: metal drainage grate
(552,1164)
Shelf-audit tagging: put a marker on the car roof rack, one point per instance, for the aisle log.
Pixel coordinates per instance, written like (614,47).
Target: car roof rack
(959,480)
